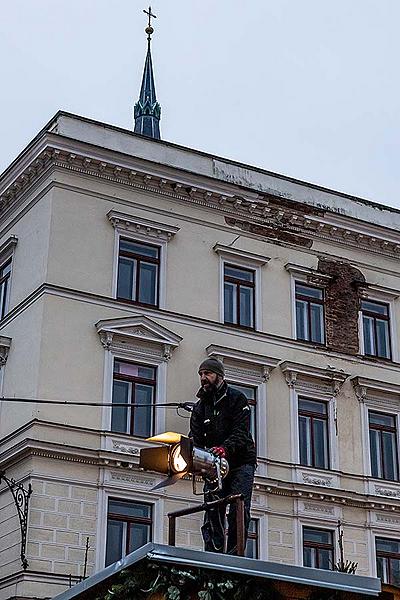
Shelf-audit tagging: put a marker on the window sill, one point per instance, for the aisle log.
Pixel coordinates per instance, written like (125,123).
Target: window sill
(135,303)
(241,327)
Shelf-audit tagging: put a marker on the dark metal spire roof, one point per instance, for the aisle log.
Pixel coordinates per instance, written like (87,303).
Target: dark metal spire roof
(147,111)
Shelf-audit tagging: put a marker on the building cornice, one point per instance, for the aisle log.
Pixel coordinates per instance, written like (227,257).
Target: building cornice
(272,212)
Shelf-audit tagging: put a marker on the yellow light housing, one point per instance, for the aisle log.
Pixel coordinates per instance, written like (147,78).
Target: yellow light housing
(169,437)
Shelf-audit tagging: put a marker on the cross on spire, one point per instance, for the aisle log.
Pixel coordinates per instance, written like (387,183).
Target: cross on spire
(150,14)
(149,29)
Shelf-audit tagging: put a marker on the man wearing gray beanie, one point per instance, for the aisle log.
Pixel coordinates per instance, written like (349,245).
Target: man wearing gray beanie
(220,422)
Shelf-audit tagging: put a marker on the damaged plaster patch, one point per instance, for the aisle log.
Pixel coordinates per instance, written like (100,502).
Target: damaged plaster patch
(342,305)
(277,232)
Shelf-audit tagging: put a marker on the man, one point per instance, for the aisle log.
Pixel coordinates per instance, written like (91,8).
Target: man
(220,421)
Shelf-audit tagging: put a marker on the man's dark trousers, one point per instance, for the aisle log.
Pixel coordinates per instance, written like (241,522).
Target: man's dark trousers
(238,481)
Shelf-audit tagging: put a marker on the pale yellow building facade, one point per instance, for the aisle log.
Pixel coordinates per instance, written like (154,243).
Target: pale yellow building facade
(76,208)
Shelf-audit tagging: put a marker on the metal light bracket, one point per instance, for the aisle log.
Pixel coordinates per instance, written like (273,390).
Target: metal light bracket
(21,500)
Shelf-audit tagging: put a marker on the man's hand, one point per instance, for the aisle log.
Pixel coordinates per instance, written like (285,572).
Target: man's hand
(218,451)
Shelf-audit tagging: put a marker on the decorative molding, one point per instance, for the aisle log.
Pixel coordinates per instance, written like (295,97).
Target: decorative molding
(250,363)
(387,519)
(315,507)
(295,373)
(365,388)
(248,258)
(5,344)
(308,275)
(137,334)
(259,208)
(131,478)
(7,248)
(125,447)
(317,480)
(387,492)
(131,223)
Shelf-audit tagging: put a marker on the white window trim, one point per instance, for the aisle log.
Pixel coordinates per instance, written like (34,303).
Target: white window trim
(385,533)
(377,396)
(317,524)
(262,518)
(307,276)
(161,386)
(247,260)
(332,438)
(140,340)
(387,296)
(317,384)
(142,230)
(7,250)
(136,496)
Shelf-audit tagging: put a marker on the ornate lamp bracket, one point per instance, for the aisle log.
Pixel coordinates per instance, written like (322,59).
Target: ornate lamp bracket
(21,499)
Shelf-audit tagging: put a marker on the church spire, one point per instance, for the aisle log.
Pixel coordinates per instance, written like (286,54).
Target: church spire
(147,111)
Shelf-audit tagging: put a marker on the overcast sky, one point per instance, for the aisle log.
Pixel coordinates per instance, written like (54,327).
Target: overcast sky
(306,88)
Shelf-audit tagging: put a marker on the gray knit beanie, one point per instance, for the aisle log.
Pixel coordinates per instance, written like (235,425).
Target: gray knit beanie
(214,365)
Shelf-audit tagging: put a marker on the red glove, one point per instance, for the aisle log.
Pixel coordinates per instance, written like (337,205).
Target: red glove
(218,451)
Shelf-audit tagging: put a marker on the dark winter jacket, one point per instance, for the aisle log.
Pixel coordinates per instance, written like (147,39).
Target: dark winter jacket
(223,419)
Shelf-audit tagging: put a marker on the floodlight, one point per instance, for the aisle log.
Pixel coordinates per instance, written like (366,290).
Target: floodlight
(177,457)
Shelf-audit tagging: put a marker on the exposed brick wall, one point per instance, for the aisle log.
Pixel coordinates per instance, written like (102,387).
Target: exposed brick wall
(342,305)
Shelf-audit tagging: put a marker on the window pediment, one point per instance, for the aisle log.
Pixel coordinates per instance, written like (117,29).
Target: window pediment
(238,362)
(311,276)
(131,333)
(235,254)
(305,376)
(141,226)
(370,389)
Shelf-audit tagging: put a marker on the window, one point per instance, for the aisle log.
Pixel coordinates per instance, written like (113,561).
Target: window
(376,332)
(309,313)
(5,274)
(383,446)
(134,386)
(239,299)
(252,540)
(128,528)
(388,560)
(317,548)
(251,395)
(313,433)
(138,272)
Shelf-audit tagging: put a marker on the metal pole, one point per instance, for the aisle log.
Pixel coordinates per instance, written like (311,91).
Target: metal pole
(171,529)
(240,541)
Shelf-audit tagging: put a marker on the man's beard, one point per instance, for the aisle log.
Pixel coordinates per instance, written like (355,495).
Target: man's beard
(210,388)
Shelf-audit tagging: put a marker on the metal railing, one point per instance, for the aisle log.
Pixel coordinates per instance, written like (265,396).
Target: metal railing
(234,498)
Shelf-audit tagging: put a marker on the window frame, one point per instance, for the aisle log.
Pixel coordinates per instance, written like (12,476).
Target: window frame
(254,536)
(322,546)
(326,418)
(243,260)
(300,392)
(139,259)
(7,252)
(239,283)
(374,316)
(162,266)
(309,300)
(131,411)
(160,389)
(128,520)
(381,535)
(396,438)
